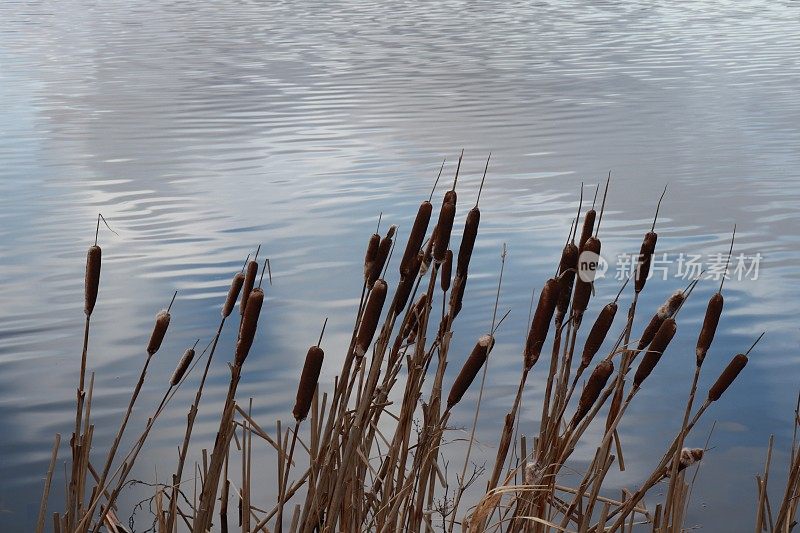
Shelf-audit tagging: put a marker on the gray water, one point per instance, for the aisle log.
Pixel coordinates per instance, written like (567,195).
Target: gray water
(202,129)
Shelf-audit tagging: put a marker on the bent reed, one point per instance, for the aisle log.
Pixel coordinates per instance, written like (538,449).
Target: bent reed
(368,455)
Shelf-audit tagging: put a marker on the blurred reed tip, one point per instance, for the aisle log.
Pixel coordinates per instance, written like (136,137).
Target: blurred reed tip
(583,288)
(251,271)
(183,365)
(540,325)
(447,270)
(384,248)
(595,385)
(727,377)
(249,325)
(416,237)
(370,317)
(471,367)
(657,347)
(92,282)
(688,457)
(598,333)
(308,382)
(233,294)
(709,329)
(468,241)
(444,227)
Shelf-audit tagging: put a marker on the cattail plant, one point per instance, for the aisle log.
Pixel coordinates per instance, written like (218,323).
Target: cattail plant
(370,318)
(233,292)
(541,322)
(92,283)
(251,271)
(159,331)
(595,385)
(406,284)
(183,365)
(371,255)
(249,325)
(417,235)
(646,251)
(713,313)
(727,377)
(659,344)
(447,270)
(447,214)
(308,382)
(384,248)
(588,220)
(471,367)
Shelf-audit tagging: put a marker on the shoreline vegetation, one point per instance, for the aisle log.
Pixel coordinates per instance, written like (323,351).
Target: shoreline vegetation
(369,455)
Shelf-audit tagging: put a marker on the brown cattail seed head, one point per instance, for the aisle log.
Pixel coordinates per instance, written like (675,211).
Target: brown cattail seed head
(468,241)
(371,253)
(710,323)
(183,365)
(471,367)
(378,263)
(92,282)
(588,227)
(540,324)
(406,284)
(660,342)
(567,268)
(249,324)
(415,315)
(457,295)
(444,228)
(665,311)
(598,333)
(597,381)
(159,330)
(725,379)
(233,294)
(416,237)
(308,382)
(250,273)
(450,197)
(645,258)
(583,287)
(370,318)
(447,270)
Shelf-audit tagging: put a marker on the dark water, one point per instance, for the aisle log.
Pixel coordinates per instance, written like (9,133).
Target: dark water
(201,129)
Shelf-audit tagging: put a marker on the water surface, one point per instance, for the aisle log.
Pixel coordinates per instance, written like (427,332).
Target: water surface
(203,129)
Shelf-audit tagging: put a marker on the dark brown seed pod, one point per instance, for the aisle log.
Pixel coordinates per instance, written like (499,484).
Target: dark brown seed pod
(468,241)
(598,333)
(588,227)
(416,237)
(457,295)
(372,252)
(450,197)
(444,227)
(250,273)
(379,262)
(159,330)
(727,377)
(645,258)
(370,318)
(233,294)
(595,385)
(249,325)
(308,382)
(567,269)
(583,288)
(471,367)
(540,324)
(655,351)
(447,270)
(406,284)
(183,365)
(710,323)
(92,281)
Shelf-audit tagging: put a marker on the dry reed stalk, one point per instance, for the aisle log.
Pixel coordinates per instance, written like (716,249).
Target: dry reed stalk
(540,325)
(447,270)
(47,482)
(371,316)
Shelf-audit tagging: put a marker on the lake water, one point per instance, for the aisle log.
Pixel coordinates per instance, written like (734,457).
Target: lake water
(201,129)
